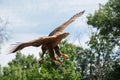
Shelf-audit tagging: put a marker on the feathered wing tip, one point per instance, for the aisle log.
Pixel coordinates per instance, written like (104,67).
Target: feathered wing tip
(13,47)
(78,15)
(65,24)
(18,47)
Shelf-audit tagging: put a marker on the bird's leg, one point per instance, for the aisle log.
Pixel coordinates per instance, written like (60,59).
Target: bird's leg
(52,56)
(57,50)
(43,52)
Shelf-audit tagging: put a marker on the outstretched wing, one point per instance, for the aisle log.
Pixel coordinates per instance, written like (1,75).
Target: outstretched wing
(35,43)
(64,25)
(40,41)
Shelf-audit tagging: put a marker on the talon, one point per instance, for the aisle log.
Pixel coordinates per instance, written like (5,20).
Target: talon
(39,60)
(65,56)
(59,62)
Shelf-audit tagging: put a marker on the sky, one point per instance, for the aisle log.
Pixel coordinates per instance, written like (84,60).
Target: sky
(30,19)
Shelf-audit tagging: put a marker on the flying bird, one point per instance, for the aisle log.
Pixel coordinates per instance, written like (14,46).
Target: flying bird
(51,41)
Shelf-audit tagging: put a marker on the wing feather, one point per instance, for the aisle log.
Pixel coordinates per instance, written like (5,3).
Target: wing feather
(59,29)
(35,43)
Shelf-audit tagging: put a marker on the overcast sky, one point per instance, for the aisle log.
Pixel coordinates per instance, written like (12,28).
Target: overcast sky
(29,19)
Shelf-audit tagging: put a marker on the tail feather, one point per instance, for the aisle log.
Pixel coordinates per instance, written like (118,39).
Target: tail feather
(20,46)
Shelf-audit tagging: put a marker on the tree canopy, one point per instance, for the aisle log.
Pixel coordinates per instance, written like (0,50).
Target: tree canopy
(105,43)
(106,20)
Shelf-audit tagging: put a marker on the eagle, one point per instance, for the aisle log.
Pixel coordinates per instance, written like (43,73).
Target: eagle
(51,41)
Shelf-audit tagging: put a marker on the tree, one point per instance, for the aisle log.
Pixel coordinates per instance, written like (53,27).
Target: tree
(114,74)
(95,62)
(106,20)
(105,43)
(103,51)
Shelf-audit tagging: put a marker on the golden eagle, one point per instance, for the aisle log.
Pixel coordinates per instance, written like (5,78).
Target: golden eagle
(50,42)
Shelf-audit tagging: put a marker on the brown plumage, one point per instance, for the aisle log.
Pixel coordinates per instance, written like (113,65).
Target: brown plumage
(50,42)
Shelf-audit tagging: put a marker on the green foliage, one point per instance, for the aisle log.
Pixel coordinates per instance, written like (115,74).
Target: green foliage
(103,51)
(106,20)
(96,61)
(83,59)
(105,43)
(114,74)
(27,68)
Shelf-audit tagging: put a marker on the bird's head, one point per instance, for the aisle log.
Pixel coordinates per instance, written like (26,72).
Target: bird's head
(66,34)
(63,35)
